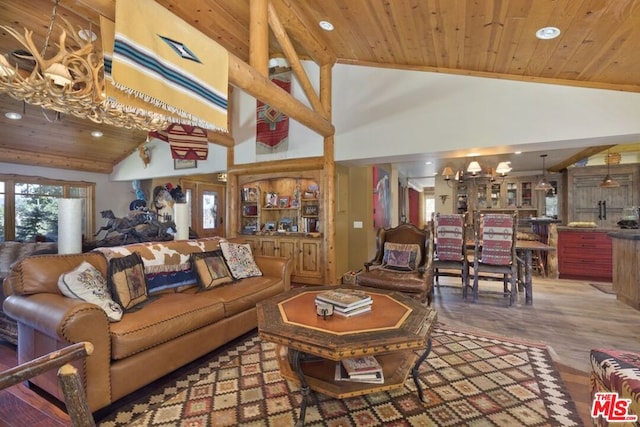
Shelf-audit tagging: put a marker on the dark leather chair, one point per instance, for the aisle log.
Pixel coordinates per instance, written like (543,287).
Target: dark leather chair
(403,262)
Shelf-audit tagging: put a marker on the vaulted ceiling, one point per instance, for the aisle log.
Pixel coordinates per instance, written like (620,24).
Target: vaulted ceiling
(598,47)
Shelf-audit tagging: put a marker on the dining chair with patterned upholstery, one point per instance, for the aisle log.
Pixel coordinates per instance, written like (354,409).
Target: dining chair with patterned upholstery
(495,250)
(450,248)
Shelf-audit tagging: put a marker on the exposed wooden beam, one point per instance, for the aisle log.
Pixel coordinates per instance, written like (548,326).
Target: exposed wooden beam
(304,31)
(290,165)
(47,160)
(584,154)
(220,138)
(259,36)
(292,56)
(259,86)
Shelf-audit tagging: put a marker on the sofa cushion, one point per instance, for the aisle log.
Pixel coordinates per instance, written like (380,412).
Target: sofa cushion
(162,319)
(127,282)
(240,260)
(401,256)
(210,269)
(245,294)
(85,282)
(410,282)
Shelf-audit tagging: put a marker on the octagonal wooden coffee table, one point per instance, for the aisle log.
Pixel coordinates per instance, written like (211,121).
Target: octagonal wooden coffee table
(310,345)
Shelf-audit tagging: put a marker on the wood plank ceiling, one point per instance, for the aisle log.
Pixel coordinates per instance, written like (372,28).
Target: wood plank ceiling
(598,48)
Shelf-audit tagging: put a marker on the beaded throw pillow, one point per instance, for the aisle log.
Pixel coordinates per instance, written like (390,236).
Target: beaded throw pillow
(127,281)
(400,256)
(211,269)
(85,282)
(240,260)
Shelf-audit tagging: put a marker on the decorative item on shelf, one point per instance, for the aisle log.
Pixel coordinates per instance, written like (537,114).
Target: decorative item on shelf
(249,194)
(285,224)
(543,184)
(284,201)
(310,210)
(270,226)
(271,199)
(250,210)
(607,181)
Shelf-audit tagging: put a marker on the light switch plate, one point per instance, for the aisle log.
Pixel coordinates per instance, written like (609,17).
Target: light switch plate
(357,224)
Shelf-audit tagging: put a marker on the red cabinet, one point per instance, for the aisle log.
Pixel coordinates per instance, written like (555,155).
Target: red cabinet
(585,255)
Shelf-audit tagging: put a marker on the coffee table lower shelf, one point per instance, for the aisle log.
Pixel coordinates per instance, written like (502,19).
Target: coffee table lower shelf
(320,374)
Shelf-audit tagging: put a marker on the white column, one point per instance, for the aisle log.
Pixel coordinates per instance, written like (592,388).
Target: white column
(181,216)
(69,226)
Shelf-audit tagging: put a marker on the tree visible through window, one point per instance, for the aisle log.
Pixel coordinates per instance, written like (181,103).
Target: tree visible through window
(29,207)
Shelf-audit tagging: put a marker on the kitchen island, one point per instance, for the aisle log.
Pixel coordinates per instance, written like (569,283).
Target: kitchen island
(626,266)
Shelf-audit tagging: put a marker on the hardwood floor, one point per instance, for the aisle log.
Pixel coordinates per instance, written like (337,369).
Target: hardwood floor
(571,317)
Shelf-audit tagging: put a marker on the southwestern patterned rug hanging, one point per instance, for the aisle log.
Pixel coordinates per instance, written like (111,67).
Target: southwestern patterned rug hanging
(272,126)
(468,379)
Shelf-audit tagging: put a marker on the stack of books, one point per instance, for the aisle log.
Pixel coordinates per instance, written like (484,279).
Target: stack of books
(346,302)
(365,369)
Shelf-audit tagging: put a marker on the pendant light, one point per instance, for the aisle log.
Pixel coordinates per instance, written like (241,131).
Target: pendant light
(607,181)
(543,184)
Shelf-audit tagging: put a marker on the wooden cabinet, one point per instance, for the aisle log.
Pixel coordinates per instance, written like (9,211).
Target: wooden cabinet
(282,215)
(585,255)
(305,254)
(588,202)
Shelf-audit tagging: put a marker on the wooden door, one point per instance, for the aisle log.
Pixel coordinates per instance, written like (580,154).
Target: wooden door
(207,208)
(309,263)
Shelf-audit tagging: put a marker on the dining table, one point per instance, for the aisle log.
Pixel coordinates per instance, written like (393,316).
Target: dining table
(524,251)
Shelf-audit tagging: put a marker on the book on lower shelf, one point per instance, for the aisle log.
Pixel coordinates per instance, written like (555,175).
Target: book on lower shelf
(372,377)
(345,298)
(361,365)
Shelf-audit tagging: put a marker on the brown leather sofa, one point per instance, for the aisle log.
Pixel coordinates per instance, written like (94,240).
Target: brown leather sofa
(415,281)
(10,253)
(176,327)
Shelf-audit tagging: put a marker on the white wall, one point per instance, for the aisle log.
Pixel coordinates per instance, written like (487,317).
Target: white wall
(161,164)
(109,194)
(383,112)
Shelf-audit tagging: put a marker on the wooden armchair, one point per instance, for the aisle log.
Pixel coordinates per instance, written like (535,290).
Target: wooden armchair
(451,248)
(403,262)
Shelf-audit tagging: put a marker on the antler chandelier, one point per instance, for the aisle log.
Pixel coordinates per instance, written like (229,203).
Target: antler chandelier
(71,81)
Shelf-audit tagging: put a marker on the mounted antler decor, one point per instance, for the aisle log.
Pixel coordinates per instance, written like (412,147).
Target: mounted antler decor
(77,80)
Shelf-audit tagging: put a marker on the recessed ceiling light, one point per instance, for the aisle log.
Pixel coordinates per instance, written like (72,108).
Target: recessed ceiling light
(547,33)
(87,35)
(518,152)
(326,25)
(13,116)
(96,134)
(428,162)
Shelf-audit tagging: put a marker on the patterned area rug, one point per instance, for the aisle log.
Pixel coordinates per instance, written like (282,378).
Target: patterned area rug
(468,380)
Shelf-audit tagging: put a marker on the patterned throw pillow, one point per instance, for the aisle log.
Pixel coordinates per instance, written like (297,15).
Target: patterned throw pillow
(401,256)
(450,232)
(127,282)
(85,282)
(497,239)
(210,269)
(240,260)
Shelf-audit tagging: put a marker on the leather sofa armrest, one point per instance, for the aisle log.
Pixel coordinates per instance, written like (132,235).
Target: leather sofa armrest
(273,266)
(59,317)
(49,318)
